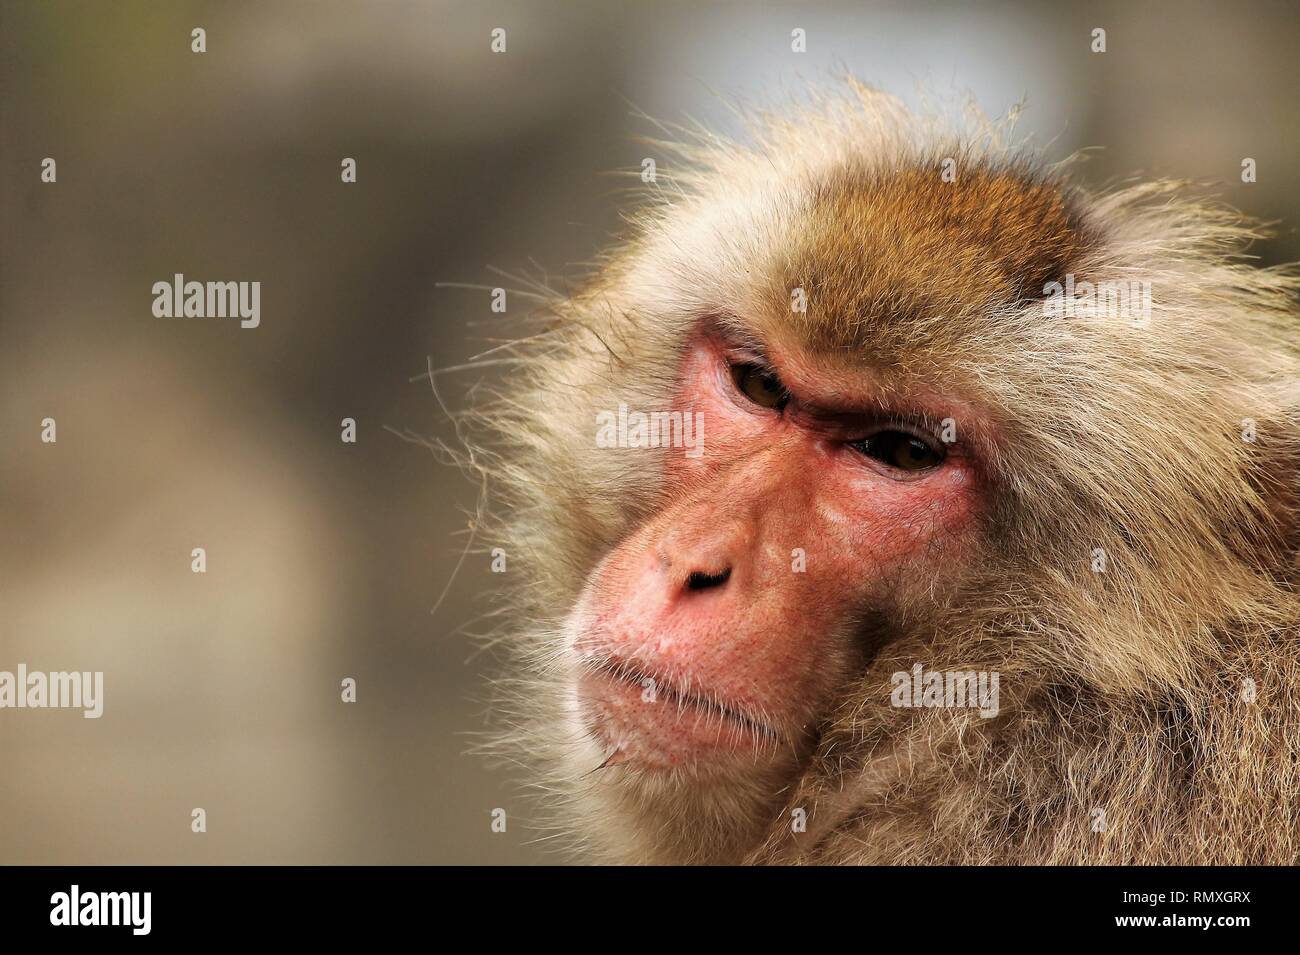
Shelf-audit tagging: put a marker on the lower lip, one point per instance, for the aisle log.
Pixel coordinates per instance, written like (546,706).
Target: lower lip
(667,733)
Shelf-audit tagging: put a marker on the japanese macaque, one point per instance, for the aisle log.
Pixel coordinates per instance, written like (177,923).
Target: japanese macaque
(888,497)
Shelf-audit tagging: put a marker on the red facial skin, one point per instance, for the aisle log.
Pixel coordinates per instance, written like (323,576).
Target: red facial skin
(742,665)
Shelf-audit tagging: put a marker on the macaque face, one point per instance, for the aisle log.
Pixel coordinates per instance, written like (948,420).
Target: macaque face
(712,639)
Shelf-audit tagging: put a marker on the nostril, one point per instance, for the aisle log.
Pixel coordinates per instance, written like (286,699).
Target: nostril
(699,580)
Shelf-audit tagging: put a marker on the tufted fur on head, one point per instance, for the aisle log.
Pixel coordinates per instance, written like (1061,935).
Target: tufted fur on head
(1150,709)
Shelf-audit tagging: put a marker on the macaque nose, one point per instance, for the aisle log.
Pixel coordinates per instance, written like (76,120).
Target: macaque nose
(702,554)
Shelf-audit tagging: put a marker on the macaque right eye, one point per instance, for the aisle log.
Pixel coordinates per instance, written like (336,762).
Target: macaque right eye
(759,386)
(900,450)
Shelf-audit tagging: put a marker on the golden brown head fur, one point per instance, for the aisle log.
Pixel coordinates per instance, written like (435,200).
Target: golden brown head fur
(1150,712)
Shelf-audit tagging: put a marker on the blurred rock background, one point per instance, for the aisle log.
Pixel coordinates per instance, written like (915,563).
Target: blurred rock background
(324,559)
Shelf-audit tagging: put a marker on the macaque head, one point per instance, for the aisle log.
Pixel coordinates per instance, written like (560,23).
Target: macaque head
(825,418)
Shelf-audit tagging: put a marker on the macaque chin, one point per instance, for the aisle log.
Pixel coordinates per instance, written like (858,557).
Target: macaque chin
(988,551)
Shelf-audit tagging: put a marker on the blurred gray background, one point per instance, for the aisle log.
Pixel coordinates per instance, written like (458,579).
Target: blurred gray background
(324,559)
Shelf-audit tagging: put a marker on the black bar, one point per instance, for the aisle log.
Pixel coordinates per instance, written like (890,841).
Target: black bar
(376,904)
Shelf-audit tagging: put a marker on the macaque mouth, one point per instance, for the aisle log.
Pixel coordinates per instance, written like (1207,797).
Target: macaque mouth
(656,691)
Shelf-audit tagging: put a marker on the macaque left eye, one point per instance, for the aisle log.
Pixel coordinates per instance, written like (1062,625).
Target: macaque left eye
(759,386)
(900,450)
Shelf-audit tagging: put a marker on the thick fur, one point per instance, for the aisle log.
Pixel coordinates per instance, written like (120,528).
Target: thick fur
(1128,732)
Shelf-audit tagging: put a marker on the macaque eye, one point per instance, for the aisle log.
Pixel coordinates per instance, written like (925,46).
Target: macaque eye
(759,386)
(900,450)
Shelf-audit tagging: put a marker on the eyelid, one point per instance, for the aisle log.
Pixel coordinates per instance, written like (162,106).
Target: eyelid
(918,431)
(734,355)
(923,426)
(918,426)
